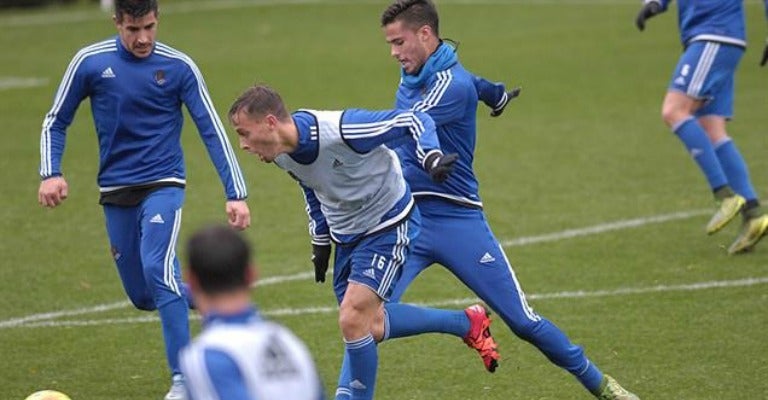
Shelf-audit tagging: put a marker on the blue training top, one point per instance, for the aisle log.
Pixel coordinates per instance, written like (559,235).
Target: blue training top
(711,20)
(446,92)
(136,107)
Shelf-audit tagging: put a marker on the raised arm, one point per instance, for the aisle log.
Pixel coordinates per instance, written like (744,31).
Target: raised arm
(494,94)
(364,130)
(650,9)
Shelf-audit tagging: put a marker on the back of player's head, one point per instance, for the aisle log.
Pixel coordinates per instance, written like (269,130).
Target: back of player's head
(219,257)
(413,13)
(134,8)
(258,101)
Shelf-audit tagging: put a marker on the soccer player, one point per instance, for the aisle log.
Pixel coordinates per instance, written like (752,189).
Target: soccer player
(357,197)
(699,101)
(238,355)
(137,86)
(433,81)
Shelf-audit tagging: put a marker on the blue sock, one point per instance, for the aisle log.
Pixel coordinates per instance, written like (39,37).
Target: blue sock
(591,377)
(403,320)
(174,317)
(343,392)
(363,362)
(698,145)
(559,349)
(735,169)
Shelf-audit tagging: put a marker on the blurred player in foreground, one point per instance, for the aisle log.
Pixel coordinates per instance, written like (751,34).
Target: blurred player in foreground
(239,355)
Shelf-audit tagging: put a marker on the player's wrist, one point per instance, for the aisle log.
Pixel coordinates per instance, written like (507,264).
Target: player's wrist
(321,240)
(54,175)
(432,158)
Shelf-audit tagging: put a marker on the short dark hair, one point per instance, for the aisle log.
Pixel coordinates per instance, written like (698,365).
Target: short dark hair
(258,101)
(413,13)
(219,257)
(134,8)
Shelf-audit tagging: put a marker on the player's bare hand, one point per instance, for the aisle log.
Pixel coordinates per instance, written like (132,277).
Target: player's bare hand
(239,214)
(52,191)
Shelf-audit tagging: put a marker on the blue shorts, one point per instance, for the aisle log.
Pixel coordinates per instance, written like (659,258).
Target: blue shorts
(376,261)
(143,240)
(706,72)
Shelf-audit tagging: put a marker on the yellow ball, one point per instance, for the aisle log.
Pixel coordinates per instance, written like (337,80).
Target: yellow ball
(47,395)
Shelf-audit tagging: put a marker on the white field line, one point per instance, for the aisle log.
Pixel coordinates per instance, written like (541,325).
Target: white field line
(10,323)
(13,82)
(469,300)
(35,319)
(602,228)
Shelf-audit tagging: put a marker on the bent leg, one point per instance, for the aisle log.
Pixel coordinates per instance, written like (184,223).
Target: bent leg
(161,222)
(696,81)
(483,267)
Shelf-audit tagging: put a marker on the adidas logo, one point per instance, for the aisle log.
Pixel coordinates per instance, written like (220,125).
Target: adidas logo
(487,258)
(107,73)
(695,152)
(337,163)
(370,273)
(356,384)
(157,219)
(680,81)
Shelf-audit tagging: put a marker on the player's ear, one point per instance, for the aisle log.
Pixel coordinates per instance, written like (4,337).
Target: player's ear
(424,33)
(251,274)
(192,280)
(271,120)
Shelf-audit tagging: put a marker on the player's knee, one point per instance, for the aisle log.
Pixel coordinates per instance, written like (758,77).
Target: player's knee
(143,302)
(352,323)
(673,113)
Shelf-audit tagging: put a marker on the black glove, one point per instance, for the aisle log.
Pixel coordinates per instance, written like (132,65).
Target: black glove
(764,60)
(440,165)
(321,253)
(649,10)
(510,95)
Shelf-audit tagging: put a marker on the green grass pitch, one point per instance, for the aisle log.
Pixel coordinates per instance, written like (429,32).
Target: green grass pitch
(601,211)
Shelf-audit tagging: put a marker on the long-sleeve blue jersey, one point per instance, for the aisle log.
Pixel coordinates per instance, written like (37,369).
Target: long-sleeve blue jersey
(711,20)
(448,96)
(353,185)
(136,107)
